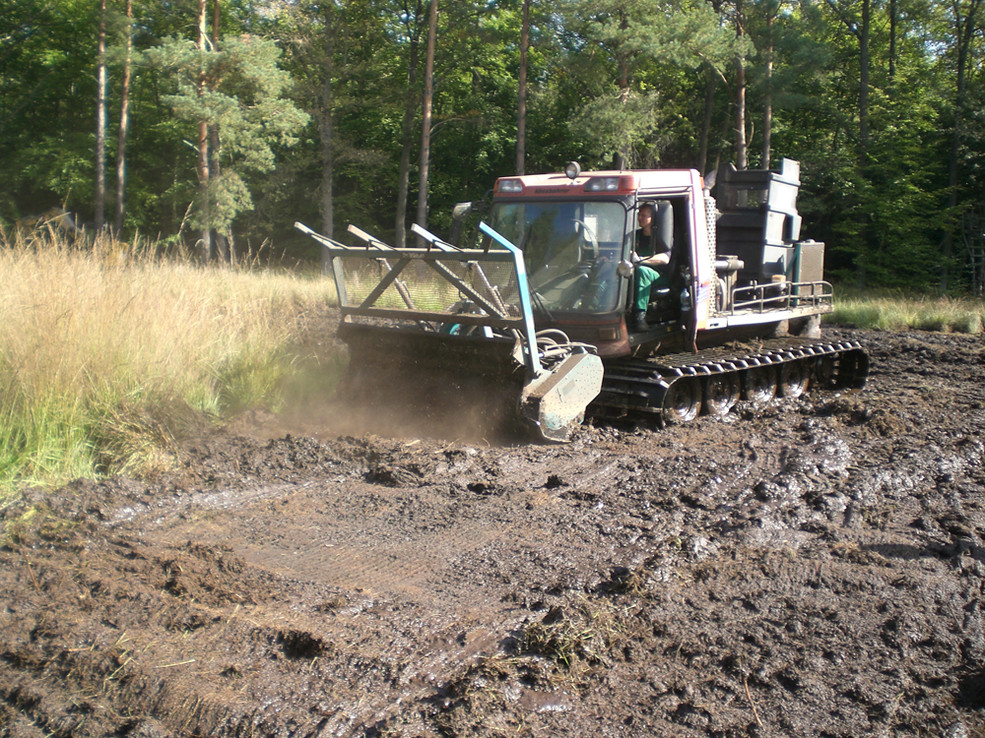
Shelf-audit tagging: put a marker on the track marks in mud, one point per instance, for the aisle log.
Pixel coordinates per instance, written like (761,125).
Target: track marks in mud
(175,652)
(816,569)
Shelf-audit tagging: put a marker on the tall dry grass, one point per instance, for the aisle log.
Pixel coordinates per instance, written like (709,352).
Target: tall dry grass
(896,311)
(107,356)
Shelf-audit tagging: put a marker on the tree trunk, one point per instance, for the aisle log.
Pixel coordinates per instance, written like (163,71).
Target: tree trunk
(768,99)
(623,61)
(864,227)
(203,148)
(407,130)
(964,32)
(741,146)
(521,115)
(121,138)
(893,20)
(214,142)
(861,34)
(223,241)
(424,169)
(863,82)
(101,122)
(327,205)
(710,87)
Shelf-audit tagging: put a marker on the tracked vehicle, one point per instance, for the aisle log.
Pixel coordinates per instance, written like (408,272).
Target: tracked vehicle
(534,317)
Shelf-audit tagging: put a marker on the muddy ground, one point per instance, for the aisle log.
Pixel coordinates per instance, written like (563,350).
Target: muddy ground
(814,571)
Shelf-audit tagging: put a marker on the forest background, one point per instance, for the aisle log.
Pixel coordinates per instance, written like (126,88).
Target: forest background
(210,127)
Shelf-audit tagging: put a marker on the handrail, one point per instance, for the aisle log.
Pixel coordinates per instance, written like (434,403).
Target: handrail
(776,295)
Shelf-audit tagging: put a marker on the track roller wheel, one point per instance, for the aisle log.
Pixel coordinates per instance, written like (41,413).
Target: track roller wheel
(682,401)
(721,392)
(759,385)
(824,372)
(793,378)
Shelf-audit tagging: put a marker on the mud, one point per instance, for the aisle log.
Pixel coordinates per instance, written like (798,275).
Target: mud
(814,570)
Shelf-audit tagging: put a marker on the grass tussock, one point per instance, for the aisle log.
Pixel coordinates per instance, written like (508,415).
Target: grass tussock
(107,356)
(891,311)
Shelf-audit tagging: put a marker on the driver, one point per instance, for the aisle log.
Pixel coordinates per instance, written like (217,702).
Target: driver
(650,254)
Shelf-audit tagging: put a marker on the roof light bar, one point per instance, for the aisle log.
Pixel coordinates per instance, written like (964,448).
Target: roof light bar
(611,184)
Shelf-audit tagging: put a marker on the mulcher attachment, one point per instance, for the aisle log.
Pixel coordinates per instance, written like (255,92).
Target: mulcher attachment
(554,403)
(436,332)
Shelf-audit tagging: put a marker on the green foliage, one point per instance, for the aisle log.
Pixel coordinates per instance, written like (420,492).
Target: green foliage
(240,89)
(228,196)
(606,78)
(46,136)
(618,52)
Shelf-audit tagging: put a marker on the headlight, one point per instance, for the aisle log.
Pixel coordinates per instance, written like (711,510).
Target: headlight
(510,185)
(602,184)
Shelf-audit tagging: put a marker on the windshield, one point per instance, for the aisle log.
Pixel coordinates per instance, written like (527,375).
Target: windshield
(570,250)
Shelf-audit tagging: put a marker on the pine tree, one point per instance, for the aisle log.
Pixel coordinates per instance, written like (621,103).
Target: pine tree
(240,89)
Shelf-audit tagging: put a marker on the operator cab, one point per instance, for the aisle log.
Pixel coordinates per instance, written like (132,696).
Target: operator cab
(578,235)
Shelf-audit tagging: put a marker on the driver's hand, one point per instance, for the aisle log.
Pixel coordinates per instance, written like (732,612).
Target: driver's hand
(635,258)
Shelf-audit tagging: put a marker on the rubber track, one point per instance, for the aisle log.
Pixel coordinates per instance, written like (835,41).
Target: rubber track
(638,386)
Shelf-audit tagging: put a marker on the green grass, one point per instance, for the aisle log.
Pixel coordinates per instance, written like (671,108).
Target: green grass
(106,358)
(896,311)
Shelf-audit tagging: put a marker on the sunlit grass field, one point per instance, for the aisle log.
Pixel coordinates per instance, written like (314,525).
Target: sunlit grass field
(898,311)
(106,357)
